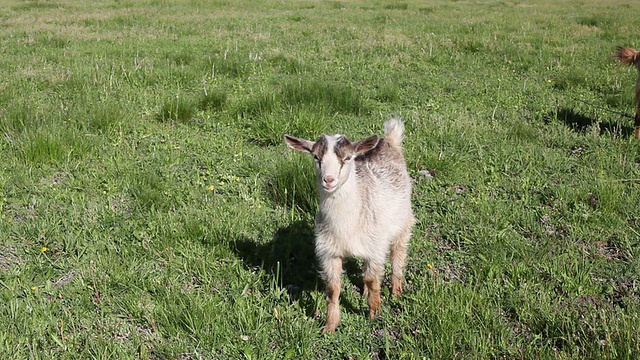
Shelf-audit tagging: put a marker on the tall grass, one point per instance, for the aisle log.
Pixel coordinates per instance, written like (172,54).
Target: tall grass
(301,122)
(292,184)
(323,97)
(180,108)
(332,96)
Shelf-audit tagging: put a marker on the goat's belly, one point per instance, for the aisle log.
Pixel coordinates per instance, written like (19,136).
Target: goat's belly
(361,249)
(356,245)
(368,239)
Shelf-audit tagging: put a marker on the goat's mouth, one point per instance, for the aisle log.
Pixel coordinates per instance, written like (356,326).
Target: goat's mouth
(329,187)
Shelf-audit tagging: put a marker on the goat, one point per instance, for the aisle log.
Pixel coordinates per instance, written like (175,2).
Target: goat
(629,56)
(364,210)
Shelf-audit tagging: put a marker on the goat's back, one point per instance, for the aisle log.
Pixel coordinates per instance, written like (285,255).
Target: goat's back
(386,191)
(384,166)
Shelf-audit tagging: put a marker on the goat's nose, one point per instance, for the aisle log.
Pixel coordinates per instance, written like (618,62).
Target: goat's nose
(329,179)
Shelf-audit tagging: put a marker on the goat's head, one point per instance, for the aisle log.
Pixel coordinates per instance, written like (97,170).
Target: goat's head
(334,156)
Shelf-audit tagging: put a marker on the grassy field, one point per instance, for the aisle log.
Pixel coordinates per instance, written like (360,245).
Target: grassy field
(150,209)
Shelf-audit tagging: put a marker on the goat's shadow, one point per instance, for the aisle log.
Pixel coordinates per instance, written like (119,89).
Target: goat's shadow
(290,259)
(581,123)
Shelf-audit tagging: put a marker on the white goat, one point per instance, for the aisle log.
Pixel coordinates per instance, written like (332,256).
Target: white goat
(365,210)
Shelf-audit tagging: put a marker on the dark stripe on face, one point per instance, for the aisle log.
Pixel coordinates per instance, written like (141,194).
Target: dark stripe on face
(320,148)
(343,149)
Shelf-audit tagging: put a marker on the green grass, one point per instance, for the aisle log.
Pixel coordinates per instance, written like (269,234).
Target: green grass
(150,209)
(179,108)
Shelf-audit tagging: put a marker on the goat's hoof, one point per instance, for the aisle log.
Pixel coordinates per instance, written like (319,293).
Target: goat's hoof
(373,313)
(396,288)
(329,329)
(331,324)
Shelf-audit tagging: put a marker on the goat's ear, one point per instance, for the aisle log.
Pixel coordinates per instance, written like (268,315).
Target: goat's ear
(298,143)
(367,144)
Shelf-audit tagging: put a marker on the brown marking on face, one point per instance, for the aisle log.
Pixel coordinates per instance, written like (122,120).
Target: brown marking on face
(343,149)
(319,148)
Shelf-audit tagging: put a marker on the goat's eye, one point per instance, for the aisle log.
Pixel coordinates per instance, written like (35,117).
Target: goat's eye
(347,158)
(316,158)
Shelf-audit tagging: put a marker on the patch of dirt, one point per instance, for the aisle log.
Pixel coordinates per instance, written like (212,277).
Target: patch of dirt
(20,213)
(625,291)
(8,259)
(610,251)
(65,279)
(449,272)
(55,179)
(551,227)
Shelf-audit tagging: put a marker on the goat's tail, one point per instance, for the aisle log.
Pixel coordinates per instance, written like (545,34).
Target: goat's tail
(393,132)
(627,56)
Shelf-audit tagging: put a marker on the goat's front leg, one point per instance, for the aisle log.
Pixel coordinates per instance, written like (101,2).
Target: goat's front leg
(332,271)
(372,275)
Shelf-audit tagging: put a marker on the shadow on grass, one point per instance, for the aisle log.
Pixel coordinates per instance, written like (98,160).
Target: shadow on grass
(580,123)
(290,259)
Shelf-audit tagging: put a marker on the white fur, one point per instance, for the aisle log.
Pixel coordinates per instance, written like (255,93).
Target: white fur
(329,166)
(358,229)
(362,223)
(365,209)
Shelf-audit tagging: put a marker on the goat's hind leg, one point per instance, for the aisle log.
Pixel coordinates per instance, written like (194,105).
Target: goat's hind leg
(399,248)
(372,274)
(637,120)
(637,123)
